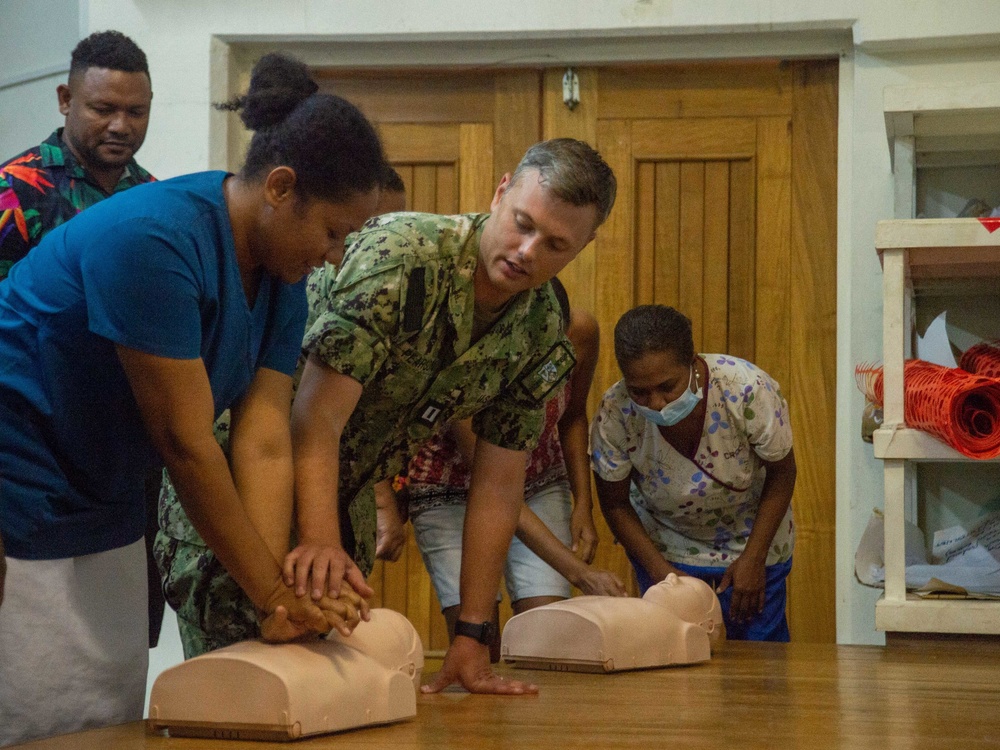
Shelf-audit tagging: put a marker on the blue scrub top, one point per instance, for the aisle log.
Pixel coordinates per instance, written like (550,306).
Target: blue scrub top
(153,269)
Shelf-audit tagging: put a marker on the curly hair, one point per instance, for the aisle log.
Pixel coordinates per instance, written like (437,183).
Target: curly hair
(332,147)
(108,49)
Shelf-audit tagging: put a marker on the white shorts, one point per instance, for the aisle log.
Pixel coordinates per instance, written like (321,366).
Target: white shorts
(74,646)
(438,532)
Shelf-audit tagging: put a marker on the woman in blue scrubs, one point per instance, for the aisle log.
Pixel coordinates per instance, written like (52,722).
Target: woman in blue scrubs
(123,335)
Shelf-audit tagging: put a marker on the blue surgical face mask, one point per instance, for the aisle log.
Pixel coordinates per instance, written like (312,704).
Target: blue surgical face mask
(676,410)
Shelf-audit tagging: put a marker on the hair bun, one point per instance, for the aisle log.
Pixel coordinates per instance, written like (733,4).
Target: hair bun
(278,85)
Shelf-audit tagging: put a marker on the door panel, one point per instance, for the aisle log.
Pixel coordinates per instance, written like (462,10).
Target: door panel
(508,100)
(715,285)
(443,140)
(742,256)
(694,201)
(702,139)
(813,345)
(773,262)
(695,90)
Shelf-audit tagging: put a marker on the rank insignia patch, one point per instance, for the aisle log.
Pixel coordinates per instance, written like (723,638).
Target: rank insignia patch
(430,413)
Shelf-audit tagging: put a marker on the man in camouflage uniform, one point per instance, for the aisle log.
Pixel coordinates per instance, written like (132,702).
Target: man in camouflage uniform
(434,318)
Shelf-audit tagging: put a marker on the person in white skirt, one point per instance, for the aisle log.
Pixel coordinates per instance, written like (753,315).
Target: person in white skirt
(122,336)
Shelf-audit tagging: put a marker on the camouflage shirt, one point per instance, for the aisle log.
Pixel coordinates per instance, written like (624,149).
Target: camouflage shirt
(398,319)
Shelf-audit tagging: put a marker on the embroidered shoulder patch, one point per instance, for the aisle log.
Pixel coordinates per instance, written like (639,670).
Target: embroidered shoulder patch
(555,367)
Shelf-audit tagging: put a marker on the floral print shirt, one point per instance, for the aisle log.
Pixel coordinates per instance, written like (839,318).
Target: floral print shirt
(44,187)
(700,512)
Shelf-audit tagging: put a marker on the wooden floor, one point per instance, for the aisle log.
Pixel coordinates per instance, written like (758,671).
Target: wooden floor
(801,696)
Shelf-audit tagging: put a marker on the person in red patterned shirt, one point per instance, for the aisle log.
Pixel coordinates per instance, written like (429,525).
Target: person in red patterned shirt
(556,539)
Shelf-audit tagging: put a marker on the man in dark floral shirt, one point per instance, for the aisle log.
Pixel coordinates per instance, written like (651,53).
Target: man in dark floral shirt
(106,103)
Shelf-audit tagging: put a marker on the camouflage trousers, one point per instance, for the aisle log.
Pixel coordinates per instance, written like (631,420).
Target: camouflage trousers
(212,610)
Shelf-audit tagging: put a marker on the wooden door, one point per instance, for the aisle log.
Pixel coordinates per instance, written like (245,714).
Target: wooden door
(450,139)
(726,210)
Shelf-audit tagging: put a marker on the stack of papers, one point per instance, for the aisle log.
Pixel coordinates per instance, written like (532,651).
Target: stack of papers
(962,563)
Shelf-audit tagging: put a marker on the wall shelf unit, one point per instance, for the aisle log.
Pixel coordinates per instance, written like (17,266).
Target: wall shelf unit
(916,253)
(941,126)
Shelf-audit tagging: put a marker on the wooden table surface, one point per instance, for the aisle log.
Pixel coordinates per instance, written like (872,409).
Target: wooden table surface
(802,696)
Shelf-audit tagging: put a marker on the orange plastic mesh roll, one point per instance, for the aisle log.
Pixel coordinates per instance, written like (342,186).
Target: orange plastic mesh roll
(982,359)
(957,407)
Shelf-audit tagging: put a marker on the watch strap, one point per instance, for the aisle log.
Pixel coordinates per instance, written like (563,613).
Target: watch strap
(482,632)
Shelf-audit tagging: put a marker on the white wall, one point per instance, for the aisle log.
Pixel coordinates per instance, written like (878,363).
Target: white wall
(881,43)
(36,39)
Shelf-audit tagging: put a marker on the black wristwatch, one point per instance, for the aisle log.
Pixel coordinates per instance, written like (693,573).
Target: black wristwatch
(483,632)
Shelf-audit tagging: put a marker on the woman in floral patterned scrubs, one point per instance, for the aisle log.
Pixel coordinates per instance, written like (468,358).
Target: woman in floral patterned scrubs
(695,470)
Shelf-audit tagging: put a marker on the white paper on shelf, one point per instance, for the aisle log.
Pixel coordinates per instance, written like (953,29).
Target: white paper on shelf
(869,559)
(974,579)
(964,558)
(934,345)
(979,545)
